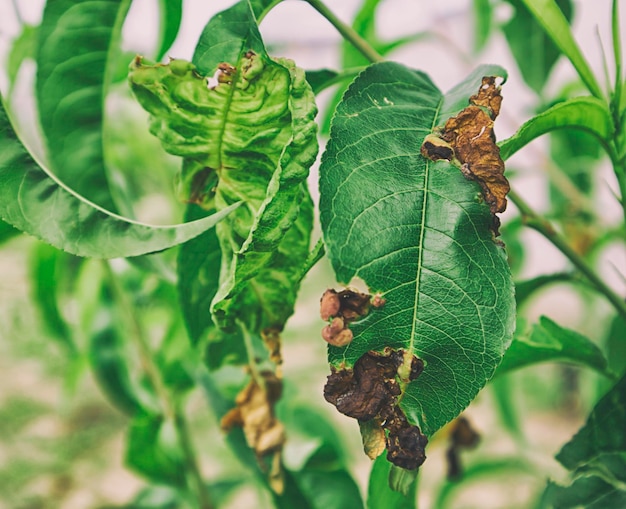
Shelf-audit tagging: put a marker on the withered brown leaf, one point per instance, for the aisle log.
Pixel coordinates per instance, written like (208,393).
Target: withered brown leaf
(254,412)
(369,392)
(470,137)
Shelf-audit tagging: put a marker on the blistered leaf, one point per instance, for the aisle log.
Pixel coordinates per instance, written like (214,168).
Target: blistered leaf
(34,201)
(418,233)
(246,134)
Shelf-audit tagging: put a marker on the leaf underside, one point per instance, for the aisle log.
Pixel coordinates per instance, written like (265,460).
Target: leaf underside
(418,232)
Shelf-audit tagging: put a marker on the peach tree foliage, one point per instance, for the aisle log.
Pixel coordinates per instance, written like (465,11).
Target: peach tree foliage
(410,184)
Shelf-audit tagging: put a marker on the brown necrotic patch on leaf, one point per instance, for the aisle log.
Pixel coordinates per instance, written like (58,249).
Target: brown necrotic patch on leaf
(468,140)
(462,436)
(254,412)
(369,392)
(342,308)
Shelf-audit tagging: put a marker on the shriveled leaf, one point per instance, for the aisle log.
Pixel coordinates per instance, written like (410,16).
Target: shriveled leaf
(77,41)
(534,51)
(584,113)
(551,18)
(597,456)
(34,201)
(547,341)
(419,233)
(171,14)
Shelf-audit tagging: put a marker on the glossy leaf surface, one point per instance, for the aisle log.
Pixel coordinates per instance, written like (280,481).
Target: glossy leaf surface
(34,201)
(418,232)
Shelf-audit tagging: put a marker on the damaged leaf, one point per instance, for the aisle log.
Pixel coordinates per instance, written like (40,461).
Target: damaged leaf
(462,436)
(341,308)
(254,412)
(369,392)
(468,139)
(419,234)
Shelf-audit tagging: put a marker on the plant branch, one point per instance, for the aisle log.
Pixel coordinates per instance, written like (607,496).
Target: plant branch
(347,32)
(617,53)
(543,226)
(167,403)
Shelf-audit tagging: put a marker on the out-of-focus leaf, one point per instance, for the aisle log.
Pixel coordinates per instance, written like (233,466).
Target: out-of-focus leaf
(171,15)
(152,450)
(483,15)
(597,457)
(548,341)
(75,47)
(616,346)
(379,493)
(23,47)
(550,16)
(584,113)
(534,51)
(525,289)
(45,277)
(34,201)
(416,231)
(506,404)
(7,231)
(489,469)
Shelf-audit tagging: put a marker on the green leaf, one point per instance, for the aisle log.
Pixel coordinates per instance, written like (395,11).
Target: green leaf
(525,289)
(584,113)
(249,137)
(152,450)
(379,493)
(548,341)
(533,49)
(171,16)
(483,16)
(553,21)
(45,277)
(597,453)
(23,47)
(415,231)
(34,201)
(76,44)
(7,232)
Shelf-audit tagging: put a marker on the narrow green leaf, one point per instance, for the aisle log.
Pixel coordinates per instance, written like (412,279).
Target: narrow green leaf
(75,45)
(379,493)
(45,279)
(554,22)
(584,113)
(483,16)
(34,201)
(526,289)
(417,232)
(152,450)
(23,47)
(171,16)
(550,342)
(616,346)
(533,49)
(7,231)
(598,453)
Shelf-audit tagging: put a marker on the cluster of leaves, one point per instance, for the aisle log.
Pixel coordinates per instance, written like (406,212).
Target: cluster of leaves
(407,204)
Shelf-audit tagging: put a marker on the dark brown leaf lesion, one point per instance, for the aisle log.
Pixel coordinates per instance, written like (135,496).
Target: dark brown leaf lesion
(369,392)
(468,140)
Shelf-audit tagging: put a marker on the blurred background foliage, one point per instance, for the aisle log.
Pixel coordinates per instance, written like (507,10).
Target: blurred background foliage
(76,428)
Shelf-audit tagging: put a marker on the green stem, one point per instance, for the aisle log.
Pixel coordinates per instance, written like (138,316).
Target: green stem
(543,226)
(347,32)
(617,53)
(18,15)
(168,406)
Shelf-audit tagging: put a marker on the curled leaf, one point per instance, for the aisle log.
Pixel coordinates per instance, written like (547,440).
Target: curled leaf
(467,139)
(369,392)
(342,308)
